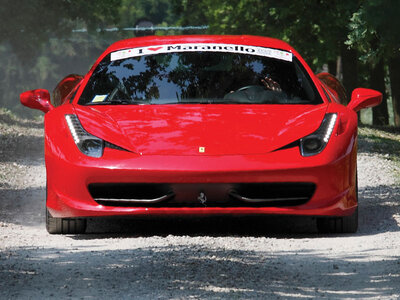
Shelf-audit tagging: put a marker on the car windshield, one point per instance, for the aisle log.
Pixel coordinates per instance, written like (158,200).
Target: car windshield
(199,77)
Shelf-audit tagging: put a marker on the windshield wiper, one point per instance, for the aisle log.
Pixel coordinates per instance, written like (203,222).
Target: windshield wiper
(229,101)
(115,101)
(195,101)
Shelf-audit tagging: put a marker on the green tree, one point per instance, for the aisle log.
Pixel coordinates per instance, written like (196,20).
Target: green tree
(318,29)
(37,44)
(158,11)
(28,24)
(375,32)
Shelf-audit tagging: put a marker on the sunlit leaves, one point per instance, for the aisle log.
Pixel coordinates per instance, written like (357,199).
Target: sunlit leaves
(375,29)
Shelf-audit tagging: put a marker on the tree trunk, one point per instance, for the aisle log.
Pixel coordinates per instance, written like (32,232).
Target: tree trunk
(380,115)
(394,71)
(349,69)
(332,67)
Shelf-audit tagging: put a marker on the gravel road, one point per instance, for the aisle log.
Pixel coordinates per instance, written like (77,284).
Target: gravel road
(271,258)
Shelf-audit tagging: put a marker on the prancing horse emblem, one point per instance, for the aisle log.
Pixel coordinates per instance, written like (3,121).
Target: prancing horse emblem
(202,198)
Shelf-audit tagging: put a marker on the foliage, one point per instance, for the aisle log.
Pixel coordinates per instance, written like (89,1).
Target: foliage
(37,43)
(315,28)
(38,46)
(321,30)
(382,140)
(28,23)
(375,29)
(158,11)
(57,58)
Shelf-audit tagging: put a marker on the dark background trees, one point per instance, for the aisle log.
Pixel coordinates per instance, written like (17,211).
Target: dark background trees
(375,33)
(37,44)
(356,40)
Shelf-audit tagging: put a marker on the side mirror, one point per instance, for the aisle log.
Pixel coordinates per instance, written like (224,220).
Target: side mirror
(364,98)
(37,99)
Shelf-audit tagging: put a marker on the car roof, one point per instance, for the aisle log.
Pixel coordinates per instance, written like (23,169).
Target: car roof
(184,39)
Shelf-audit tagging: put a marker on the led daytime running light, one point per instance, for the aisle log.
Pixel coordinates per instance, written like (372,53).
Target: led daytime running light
(72,128)
(331,125)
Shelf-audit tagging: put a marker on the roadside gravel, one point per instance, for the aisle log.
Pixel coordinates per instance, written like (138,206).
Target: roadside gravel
(273,258)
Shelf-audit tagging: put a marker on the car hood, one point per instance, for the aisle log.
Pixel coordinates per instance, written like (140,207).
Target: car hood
(208,129)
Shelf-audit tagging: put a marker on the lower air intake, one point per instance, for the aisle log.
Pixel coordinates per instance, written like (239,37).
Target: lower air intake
(202,194)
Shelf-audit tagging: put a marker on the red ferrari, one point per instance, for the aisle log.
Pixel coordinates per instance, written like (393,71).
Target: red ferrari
(200,125)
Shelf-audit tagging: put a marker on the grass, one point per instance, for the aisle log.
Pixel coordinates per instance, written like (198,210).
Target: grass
(383,140)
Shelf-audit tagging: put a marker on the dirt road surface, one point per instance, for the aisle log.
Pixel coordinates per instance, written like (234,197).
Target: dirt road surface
(269,258)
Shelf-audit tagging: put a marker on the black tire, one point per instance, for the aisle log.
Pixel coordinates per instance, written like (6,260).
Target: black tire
(64,225)
(348,224)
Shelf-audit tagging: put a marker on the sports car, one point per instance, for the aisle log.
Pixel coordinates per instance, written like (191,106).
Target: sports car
(200,126)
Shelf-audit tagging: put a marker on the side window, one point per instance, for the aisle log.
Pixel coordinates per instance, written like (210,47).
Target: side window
(326,93)
(72,95)
(62,91)
(333,87)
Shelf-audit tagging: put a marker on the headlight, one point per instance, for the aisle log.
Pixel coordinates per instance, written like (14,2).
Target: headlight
(316,142)
(88,144)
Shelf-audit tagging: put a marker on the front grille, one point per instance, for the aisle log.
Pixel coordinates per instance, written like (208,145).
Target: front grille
(130,194)
(202,194)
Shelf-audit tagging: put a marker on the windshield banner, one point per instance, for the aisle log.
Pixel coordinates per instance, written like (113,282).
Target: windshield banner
(229,48)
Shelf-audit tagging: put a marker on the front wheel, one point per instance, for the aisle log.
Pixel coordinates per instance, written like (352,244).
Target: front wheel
(347,224)
(64,225)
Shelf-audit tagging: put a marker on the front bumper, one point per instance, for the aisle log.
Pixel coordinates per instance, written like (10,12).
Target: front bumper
(332,172)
